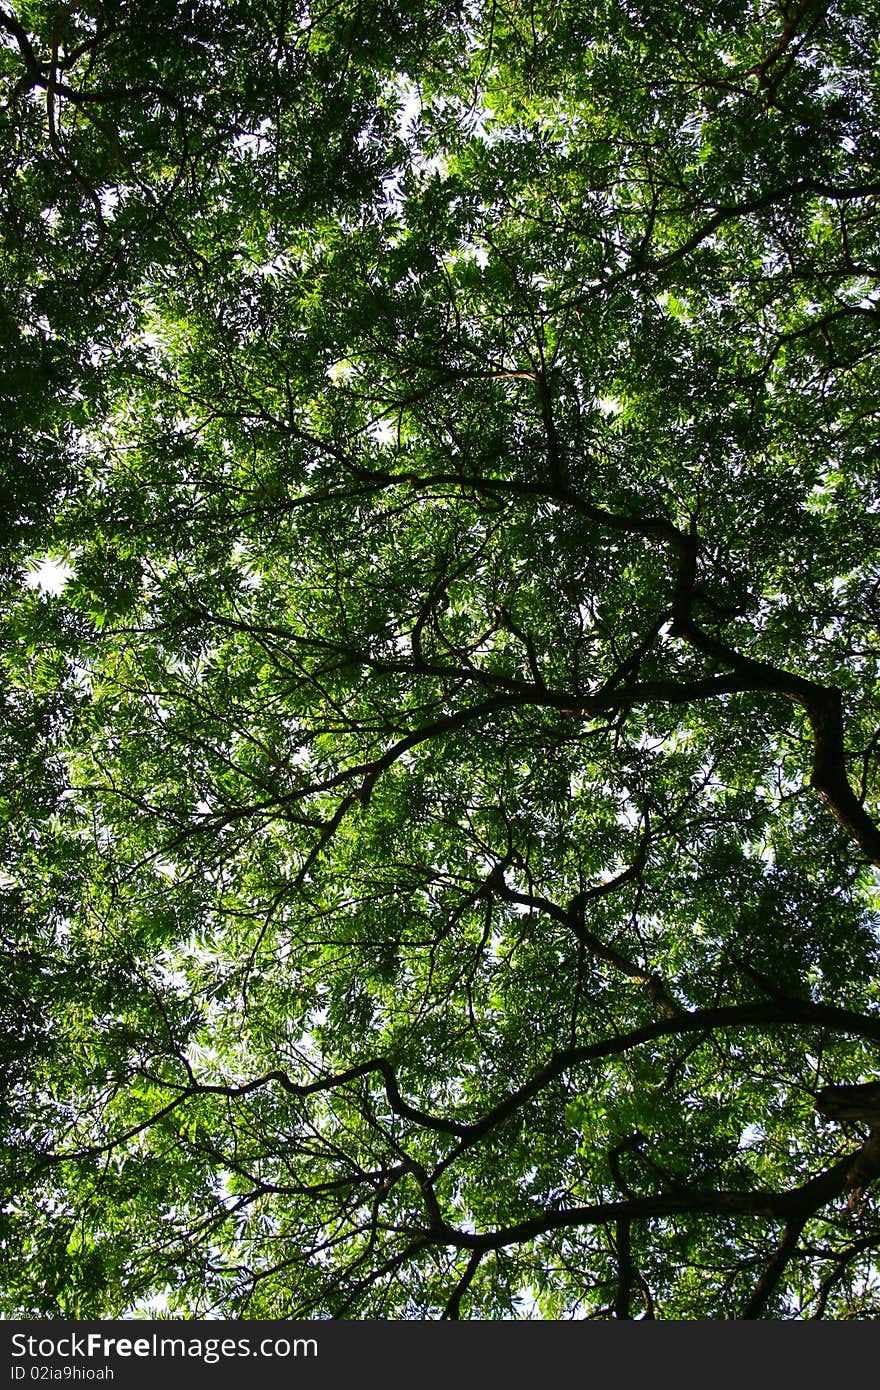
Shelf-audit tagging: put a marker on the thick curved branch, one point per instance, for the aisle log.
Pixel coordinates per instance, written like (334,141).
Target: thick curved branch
(625,1269)
(769,1280)
(794,1013)
(453,1306)
(730,211)
(822,704)
(12,26)
(794,1207)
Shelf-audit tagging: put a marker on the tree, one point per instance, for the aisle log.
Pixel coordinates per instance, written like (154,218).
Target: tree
(444,880)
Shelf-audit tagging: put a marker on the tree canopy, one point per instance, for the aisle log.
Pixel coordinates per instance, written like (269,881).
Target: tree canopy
(441,765)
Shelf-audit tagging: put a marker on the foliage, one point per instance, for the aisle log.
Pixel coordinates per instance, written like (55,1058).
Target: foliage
(440,826)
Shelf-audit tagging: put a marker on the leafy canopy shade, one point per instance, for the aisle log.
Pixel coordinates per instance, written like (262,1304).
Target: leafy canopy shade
(440,787)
